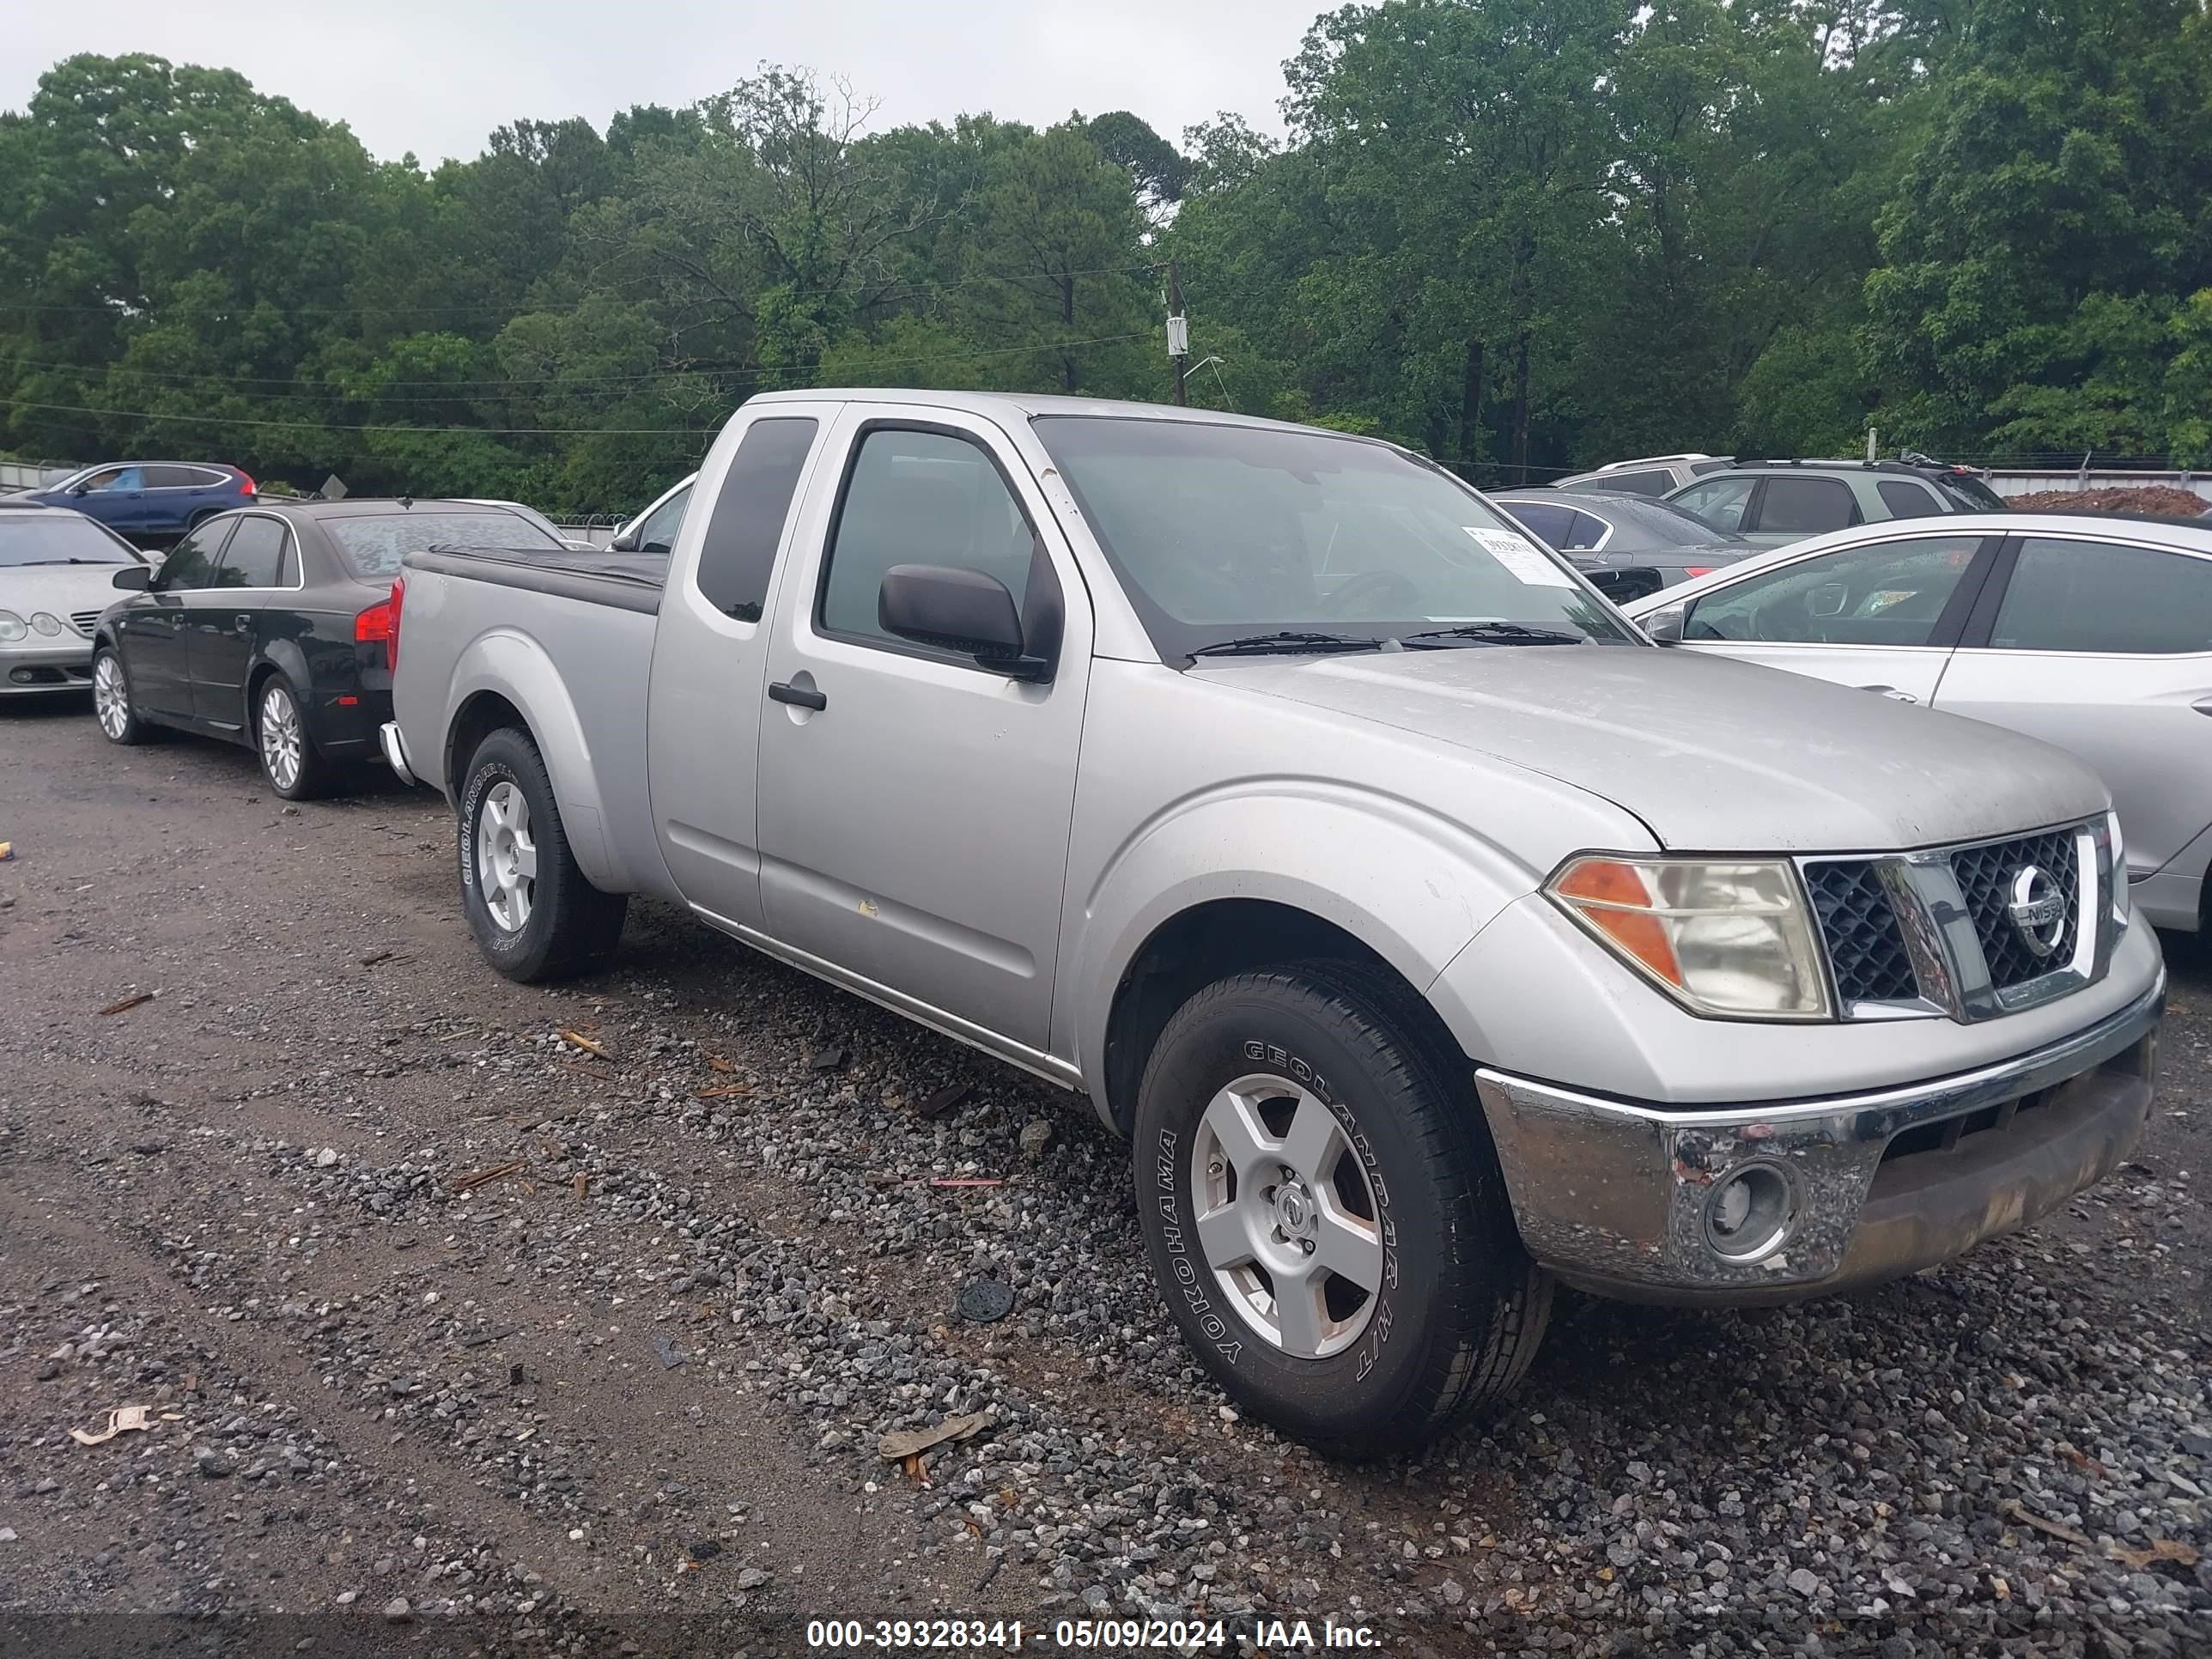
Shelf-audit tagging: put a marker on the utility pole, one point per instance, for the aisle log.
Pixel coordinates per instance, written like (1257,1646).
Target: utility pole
(1178,331)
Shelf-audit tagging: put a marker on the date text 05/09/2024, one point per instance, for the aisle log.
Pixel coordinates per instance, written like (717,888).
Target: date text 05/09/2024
(1181,1635)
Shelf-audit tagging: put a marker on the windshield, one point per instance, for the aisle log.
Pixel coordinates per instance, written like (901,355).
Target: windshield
(1219,532)
(1662,524)
(57,539)
(373,543)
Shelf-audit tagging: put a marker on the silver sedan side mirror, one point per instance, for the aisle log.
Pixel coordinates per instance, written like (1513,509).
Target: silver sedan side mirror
(1666,622)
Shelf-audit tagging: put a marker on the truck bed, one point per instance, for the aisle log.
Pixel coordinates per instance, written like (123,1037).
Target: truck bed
(632,582)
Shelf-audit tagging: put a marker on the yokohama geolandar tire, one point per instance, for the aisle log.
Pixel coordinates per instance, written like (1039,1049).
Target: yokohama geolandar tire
(534,915)
(1325,1213)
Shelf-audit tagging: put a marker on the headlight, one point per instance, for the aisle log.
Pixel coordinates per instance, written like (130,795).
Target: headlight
(2120,868)
(11,626)
(1729,940)
(46,623)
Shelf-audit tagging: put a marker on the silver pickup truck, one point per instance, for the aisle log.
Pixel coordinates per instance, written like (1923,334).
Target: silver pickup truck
(1433,935)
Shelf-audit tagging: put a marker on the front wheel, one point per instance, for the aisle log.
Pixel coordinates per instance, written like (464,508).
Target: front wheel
(535,915)
(1325,1213)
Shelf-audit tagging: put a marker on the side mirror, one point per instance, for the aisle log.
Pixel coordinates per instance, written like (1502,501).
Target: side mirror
(1665,624)
(625,543)
(135,577)
(959,611)
(76,489)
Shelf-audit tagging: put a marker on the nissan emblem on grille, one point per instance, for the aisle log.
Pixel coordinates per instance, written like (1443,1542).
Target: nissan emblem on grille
(2038,909)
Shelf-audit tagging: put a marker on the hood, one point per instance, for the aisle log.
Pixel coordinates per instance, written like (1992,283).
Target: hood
(1712,754)
(64,590)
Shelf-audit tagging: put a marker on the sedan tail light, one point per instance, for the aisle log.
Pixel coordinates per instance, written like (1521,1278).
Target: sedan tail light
(392,635)
(1699,569)
(380,623)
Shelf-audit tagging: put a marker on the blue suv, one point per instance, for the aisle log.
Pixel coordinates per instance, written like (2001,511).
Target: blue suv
(150,499)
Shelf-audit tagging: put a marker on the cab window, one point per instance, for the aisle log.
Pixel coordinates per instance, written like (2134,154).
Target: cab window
(920,498)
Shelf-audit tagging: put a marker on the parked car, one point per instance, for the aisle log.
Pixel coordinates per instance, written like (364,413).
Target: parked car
(1647,475)
(2093,633)
(1775,502)
(1627,545)
(268,627)
(151,499)
(57,571)
(536,519)
(653,530)
(1433,934)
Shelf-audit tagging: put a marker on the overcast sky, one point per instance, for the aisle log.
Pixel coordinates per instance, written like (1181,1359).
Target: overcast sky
(435,76)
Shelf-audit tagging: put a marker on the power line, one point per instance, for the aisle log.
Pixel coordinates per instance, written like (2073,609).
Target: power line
(532,431)
(898,292)
(336,426)
(758,371)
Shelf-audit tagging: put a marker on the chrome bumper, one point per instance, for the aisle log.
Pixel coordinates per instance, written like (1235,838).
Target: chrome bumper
(1621,1198)
(395,752)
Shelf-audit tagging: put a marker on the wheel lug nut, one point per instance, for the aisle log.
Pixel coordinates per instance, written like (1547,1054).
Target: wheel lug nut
(1308,1246)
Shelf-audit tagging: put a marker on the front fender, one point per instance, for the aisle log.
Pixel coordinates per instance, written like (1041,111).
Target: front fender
(508,663)
(1411,884)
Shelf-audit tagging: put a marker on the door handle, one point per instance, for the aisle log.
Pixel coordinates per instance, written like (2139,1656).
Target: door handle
(242,623)
(1892,692)
(797,696)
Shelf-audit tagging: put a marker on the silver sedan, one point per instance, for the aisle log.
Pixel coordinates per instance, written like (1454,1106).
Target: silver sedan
(2091,631)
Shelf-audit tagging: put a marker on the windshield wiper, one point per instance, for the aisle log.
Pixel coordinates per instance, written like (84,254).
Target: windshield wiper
(1495,633)
(1286,644)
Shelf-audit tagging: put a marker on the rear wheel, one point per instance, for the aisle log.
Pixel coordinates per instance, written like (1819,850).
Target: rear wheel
(289,760)
(1325,1213)
(111,699)
(534,915)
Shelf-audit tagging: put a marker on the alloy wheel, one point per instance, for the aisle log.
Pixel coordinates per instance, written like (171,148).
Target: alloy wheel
(506,857)
(110,696)
(280,737)
(1285,1215)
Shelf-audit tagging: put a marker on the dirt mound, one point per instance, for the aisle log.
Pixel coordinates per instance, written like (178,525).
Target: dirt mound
(2164,501)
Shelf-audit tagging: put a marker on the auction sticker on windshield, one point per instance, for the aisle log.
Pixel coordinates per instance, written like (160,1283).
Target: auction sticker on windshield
(1525,562)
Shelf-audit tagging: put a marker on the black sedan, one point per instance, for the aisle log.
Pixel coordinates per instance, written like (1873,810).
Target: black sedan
(269,626)
(1627,545)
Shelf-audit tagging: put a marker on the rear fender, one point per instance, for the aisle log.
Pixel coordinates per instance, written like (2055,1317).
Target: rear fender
(508,663)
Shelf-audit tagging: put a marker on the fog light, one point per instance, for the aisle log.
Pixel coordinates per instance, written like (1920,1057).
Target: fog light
(1748,1215)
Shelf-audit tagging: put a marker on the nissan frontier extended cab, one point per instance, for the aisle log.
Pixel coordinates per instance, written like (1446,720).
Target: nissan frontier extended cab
(1433,935)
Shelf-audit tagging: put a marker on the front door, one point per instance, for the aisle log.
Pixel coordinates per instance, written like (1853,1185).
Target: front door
(225,619)
(2104,648)
(913,806)
(115,496)
(153,632)
(1880,616)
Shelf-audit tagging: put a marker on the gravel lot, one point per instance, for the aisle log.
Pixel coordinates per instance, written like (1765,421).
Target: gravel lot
(400,1272)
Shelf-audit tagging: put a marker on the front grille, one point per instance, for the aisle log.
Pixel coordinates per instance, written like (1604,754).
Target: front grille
(1985,876)
(83,621)
(1865,944)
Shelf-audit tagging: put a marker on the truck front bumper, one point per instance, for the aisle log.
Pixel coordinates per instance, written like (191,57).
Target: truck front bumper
(1776,1201)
